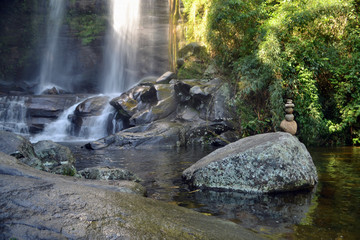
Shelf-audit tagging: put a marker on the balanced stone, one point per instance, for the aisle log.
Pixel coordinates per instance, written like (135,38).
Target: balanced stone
(290,127)
(289,117)
(289,105)
(289,110)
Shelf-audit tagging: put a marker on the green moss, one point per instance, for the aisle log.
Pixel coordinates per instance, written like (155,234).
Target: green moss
(68,170)
(191,70)
(86,26)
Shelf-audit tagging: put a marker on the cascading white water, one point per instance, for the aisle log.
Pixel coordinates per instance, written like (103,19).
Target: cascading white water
(125,42)
(119,72)
(95,127)
(49,63)
(58,130)
(13,114)
(92,128)
(121,48)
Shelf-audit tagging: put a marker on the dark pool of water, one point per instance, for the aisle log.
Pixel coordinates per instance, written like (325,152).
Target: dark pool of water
(330,211)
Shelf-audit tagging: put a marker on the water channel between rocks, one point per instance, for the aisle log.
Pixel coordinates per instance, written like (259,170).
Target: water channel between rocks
(331,211)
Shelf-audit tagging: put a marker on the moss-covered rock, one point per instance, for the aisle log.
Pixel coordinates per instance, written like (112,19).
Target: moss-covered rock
(55,157)
(273,162)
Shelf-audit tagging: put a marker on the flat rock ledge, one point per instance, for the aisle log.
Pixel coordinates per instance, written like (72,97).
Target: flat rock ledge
(264,163)
(40,205)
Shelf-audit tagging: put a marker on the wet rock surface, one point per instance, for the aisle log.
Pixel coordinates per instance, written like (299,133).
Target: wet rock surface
(166,78)
(107,173)
(43,109)
(273,162)
(160,134)
(198,106)
(39,205)
(91,107)
(171,114)
(191,111)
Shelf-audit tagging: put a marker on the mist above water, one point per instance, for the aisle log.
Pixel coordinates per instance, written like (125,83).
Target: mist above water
(135,46)
(122,44)
(51,71)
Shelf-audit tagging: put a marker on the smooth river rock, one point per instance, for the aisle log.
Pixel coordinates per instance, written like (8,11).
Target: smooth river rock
(39,205)
(272,162)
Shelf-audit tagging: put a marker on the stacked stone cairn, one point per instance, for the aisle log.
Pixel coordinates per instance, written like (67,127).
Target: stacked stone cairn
(288,124)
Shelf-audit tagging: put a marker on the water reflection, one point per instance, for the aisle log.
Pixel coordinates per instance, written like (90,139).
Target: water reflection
(331,211)
(256,211)
(160,169)
(337,211)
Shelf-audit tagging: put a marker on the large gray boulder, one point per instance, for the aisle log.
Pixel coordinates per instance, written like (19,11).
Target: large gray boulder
(272,162)
(39,205)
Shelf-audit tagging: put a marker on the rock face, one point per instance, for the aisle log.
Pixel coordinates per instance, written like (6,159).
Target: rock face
(44,155)
(39,205)
(171,114)
(272,162)
(174,112)
(19,147)
(159,134)
(91,106)
(105,173)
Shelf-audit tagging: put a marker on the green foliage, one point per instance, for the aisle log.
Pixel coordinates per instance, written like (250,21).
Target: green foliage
(87,26)
(196,12)
(307,50)
(253,120)
(191,69)
(232,27)
(306,45)
(68,171)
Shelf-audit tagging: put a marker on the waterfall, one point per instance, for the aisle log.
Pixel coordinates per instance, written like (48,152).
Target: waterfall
(91,127)
(122,44)
(49,67)
(135,47)
(13,114)
(59,130)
